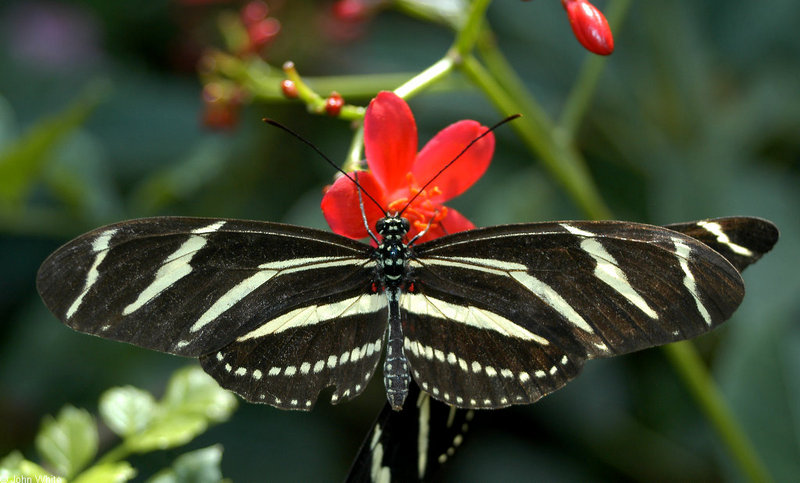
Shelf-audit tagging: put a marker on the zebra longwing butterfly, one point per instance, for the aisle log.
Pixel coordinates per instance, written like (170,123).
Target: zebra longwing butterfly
(480,319)
(414,443)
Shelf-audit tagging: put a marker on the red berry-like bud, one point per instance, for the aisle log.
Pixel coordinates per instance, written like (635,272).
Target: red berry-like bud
(289,88)
(262,32)
(350,10)
(589,26)
(333,104)
(254,12)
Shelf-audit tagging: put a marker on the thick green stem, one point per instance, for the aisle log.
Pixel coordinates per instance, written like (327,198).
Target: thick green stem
(558,156)
(469,33)
(693,371)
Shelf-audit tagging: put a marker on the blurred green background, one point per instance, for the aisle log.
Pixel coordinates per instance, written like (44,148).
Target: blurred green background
(697,115)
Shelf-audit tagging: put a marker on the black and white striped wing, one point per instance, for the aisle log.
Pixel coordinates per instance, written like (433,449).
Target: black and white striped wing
(275,312)
(505,315)
(741,240)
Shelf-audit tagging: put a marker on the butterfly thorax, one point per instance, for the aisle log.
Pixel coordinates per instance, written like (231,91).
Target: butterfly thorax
(392,252)
(392,259)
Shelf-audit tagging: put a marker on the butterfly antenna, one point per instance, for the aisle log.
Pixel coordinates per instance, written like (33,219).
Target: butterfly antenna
(466,148)
(308,143)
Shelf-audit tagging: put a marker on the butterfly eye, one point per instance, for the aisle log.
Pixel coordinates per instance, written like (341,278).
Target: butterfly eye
(380,225)
(406,225)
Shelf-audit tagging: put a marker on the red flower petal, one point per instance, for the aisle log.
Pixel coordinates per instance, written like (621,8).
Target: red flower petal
(342,211)
(453,222)
(443,148)
(390,140)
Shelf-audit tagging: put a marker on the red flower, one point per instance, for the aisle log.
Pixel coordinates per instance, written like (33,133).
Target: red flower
(589,26)
(397,172)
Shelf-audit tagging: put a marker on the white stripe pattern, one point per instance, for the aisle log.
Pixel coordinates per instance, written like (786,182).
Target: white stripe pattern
(419,304)
(315,314)
(518,272)
(100,247)
(684,252)
(608,271)
(716,230)
(175,267)
(267,271)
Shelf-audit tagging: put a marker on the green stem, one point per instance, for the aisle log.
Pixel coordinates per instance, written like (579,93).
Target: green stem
(537,132)
(469,33)
(117,453)
(687,362)
(563,161)
(426,78)
(353,160)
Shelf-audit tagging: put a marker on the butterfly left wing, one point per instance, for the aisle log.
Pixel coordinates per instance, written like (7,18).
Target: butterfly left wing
(275,312)
(505,315)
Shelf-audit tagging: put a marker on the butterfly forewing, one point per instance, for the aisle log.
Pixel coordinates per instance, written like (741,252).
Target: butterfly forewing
(524,305)
(741,240)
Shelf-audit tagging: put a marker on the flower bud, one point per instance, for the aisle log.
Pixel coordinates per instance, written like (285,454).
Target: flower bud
(589,26)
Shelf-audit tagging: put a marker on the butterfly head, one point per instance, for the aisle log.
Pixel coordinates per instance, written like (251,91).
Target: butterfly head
(392,227)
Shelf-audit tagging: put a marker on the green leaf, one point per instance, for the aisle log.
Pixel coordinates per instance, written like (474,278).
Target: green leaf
(167,432)
(23,161)
(127,410)
(107,473)
(193,391)
(199,466)
(14,464)
(68,442)
(192,402)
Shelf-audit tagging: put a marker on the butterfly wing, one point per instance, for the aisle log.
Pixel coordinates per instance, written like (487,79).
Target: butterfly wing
(263,305)
(741,240)
(507,314)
